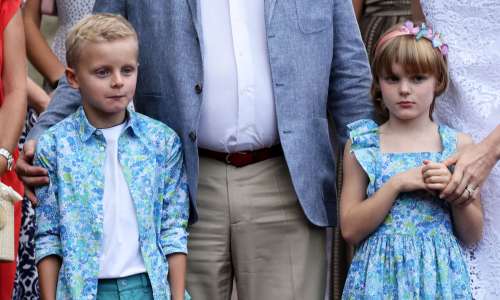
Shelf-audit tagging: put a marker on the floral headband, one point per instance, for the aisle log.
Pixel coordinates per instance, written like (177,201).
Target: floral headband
(422,31)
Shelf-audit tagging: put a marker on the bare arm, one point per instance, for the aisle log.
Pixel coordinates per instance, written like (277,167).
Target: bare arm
(37,97)
(48,273)
(360,216)
(358,8)
(13,109)
(177,275)
(468,217)
(39,52)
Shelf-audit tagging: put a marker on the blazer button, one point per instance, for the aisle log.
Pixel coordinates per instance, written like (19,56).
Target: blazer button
(192,136)
(198,88)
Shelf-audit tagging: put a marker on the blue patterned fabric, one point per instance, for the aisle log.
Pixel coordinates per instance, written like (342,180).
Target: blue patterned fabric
(70,211)
(414,253)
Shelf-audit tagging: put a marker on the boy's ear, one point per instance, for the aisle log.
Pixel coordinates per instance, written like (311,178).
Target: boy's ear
(71,76)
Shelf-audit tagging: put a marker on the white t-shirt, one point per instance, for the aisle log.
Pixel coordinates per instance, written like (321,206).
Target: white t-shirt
(120,251)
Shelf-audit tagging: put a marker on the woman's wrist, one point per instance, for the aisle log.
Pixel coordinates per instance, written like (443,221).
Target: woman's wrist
(3,165)
(493,146)
(493,142)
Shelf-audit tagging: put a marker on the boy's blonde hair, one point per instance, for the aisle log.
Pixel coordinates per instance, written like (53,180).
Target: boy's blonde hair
(415,57)
(102,27)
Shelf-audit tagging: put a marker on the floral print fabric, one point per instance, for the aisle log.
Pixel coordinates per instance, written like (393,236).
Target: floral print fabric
(70,211)
(413,254)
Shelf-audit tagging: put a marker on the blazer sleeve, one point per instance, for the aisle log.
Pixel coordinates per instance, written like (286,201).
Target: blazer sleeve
(111,6)
(350,77)
(64,102)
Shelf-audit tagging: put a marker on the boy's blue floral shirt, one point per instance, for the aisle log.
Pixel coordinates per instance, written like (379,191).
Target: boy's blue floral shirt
(70,211)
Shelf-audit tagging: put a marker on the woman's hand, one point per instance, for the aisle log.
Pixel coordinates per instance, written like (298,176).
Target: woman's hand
(472,165)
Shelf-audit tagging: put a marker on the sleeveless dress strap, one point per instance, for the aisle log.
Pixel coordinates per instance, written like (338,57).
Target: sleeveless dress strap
(364,135)
(449,141)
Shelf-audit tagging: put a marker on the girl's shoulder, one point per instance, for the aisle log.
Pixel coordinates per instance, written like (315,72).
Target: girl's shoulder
(364,134)
(453,139)
(463,140)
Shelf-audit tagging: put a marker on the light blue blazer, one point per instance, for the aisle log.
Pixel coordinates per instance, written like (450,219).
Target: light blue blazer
(319,70)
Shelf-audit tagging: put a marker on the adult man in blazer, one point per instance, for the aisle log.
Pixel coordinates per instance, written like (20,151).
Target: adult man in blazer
(249,86)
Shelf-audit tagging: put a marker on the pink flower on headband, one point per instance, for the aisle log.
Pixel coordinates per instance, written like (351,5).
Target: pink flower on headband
(422,31)
(408,27)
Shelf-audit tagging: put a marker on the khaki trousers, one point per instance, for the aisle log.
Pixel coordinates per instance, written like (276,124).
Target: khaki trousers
(251,228)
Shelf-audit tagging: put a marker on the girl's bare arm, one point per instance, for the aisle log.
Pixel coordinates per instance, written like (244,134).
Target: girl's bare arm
(360,216)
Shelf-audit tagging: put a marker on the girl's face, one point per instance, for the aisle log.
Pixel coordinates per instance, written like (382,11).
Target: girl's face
(407,96)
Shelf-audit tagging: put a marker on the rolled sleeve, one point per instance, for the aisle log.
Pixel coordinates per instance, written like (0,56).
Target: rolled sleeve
(47,232)
(175,212)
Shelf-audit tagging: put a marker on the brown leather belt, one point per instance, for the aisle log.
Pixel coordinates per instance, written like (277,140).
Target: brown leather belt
(243,158)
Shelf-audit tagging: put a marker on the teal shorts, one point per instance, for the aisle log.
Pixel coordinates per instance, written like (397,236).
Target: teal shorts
(134,287)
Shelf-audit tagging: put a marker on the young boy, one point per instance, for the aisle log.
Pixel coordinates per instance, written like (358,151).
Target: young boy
(112,222)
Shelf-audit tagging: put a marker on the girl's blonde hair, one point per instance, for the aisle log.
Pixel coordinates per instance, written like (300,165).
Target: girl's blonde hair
(102,27)
(415,57)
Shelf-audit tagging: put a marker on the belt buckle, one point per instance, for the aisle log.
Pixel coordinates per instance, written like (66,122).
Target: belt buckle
(240,158)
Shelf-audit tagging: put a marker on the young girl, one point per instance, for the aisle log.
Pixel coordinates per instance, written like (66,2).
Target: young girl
(406,236)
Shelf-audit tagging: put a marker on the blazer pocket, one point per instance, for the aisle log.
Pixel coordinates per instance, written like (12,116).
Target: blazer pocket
(314,15)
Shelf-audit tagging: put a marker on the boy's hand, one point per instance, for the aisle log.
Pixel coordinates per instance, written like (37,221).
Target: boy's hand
(436,175)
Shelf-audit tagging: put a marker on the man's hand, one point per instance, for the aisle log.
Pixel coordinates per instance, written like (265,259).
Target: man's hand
(30,175)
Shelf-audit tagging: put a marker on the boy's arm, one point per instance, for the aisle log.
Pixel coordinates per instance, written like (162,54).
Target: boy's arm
(48,272)
(177,274)
(48,250)
(175,216)
(175,212)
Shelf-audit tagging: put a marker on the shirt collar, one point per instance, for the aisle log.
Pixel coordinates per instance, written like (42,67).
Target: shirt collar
(86,130)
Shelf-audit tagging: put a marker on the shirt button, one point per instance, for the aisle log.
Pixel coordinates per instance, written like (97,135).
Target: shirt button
(192,136)
(198,88)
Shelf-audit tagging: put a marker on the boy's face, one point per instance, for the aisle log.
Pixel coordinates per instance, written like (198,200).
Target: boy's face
(106,75)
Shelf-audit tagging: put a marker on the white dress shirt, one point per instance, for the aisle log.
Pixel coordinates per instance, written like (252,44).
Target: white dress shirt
(238,111)
(120,251)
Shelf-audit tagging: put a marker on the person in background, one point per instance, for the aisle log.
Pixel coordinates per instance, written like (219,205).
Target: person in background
(376,16)
(51,61)
(12,113)
(472,105)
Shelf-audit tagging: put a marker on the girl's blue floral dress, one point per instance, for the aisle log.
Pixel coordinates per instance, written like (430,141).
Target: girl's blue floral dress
(414,253)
